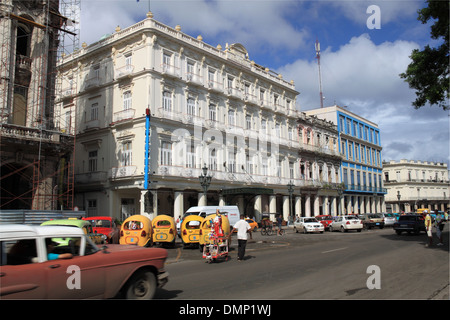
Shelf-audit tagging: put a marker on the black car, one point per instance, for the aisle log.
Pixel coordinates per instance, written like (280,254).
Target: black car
(410,223)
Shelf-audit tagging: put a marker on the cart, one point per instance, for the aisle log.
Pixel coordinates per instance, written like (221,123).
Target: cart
(218,243)
(217,248)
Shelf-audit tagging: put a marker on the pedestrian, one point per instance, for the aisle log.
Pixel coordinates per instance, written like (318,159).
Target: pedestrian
(439,225)
(242,227)
(279,223)
(428,228)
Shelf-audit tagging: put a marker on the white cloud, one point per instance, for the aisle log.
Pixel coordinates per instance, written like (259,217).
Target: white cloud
(365,77)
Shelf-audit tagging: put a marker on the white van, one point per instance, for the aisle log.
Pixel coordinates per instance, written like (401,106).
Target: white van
(232,213)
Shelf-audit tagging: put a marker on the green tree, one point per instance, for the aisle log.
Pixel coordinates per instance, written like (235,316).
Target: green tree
(428,73)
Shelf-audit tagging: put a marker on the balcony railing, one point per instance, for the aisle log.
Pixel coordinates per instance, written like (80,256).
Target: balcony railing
(123,172)
(123,115)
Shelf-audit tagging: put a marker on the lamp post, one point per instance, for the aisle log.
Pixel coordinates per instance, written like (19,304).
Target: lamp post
(291,191)
(205,181)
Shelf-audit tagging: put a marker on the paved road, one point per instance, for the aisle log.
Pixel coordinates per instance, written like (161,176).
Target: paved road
(315,266)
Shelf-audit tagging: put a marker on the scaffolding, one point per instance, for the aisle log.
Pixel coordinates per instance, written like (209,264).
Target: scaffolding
(30,88)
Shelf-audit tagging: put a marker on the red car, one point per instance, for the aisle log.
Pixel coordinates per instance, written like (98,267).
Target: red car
(106,226)
(59,262)
(326,220)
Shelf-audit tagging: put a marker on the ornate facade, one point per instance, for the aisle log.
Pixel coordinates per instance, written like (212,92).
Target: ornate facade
(205,107)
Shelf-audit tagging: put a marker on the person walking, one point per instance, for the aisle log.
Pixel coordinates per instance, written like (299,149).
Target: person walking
(428,228)
(439,225)
(242,227)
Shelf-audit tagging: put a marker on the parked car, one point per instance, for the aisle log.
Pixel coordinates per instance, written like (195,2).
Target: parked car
(389,219)
(410,223)
(372,220)
(86,272)
(164,230)
(308,224)
(346,223)
(326,220)
(86,226)
(106,226)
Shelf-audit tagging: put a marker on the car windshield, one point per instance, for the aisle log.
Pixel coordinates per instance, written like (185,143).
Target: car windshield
(324,218)
(351,218)
(100,223)
(310,220)
(163,224)
(390,215)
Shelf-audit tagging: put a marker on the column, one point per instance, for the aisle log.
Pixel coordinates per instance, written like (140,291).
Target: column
(316,205)
(362,205)
(178,208)
(308,205)
(298,206)
(326,205)
(356,205)
(258,207)
(273,203)
(201,199)
(286,208)
(334,201)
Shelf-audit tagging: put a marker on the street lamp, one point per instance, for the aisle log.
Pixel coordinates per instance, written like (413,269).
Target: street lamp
(205,181)
(291,191)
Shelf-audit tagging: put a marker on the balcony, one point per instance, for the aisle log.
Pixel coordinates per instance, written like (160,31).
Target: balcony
(123,115)
(123,172)
(91,177)
(124,72)
(170,70)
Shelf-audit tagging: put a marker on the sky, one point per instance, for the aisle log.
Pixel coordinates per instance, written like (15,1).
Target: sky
(363,51)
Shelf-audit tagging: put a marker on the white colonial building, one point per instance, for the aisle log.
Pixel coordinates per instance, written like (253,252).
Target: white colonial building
(206,107)
(412,185)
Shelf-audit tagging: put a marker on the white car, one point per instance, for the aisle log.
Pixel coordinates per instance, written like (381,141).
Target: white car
(345,223)
(308,224)
(389,219)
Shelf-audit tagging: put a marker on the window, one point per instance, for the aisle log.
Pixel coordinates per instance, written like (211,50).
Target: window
(291,170)
(212,112)
(264,125)
(190,161)
(248,122)
(230,83)
(191,108)
(231,118)
(167,58)
(92,161)
(166,153)
(232,161)
(128,61)
(17,252)
(126,158)
(127,100)
(94,111)
(92,207)
(212,160)
(190,69)
(167,101)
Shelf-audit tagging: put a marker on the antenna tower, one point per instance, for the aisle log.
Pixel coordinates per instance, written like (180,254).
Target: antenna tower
(320,76)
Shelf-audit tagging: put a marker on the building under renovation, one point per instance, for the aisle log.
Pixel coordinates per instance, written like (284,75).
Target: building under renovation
(36,152)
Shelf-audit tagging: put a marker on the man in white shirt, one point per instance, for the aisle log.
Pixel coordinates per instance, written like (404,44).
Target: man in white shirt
(242,227)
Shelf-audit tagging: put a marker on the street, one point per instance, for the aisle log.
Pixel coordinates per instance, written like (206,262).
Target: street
(315,266)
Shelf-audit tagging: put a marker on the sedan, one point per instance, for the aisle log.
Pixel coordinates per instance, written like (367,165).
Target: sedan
(389,219)
(60,262)
(308,224)
(345,223)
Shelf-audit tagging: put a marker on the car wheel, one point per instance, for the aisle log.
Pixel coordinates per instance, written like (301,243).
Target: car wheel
(141,286)
(304,231)
(343,229)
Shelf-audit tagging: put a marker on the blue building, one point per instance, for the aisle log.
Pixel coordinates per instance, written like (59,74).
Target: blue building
(361,169)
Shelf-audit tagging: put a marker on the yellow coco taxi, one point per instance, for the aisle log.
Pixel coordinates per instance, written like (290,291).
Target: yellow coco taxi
(136,230)
(190,230)
(205,228)
(164,230)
